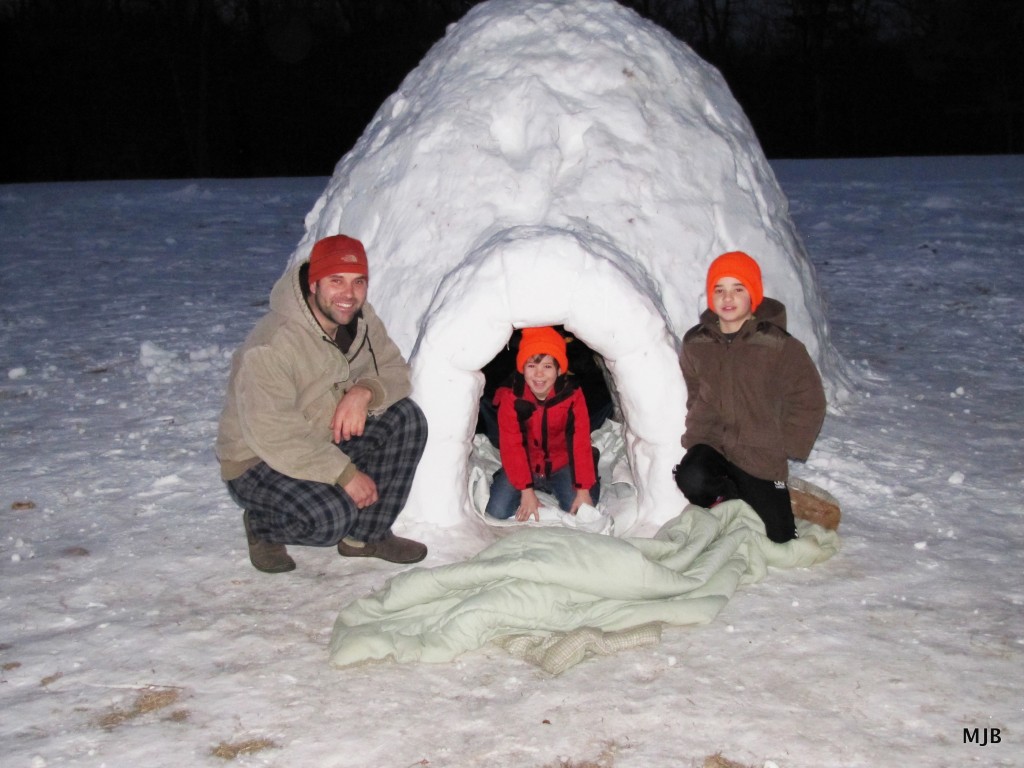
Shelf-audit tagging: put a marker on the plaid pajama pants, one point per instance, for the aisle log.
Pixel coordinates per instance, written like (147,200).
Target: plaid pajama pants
(284,510)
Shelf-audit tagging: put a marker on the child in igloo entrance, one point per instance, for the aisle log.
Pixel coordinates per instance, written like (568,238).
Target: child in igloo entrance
(544,430)
(754,398)
(586,371)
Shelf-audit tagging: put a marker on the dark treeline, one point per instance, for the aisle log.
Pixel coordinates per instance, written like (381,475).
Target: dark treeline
(98,89)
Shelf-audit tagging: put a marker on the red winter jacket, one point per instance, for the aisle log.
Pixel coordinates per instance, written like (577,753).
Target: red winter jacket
(557,434)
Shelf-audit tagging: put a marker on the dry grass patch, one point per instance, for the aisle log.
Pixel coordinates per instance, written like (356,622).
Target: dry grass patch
(718,761)
(605,760)
(149,700)
(227,751)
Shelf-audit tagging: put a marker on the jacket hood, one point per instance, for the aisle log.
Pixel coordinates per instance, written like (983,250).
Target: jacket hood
(772,311)
(286,299)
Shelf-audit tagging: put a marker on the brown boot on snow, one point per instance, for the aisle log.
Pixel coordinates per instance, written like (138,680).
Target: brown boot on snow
(264,556)
(392,548)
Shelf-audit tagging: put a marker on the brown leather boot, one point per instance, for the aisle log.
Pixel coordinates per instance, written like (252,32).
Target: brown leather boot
(392,548)
(264,556)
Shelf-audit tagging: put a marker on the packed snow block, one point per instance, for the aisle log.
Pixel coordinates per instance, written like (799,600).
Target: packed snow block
(559,163)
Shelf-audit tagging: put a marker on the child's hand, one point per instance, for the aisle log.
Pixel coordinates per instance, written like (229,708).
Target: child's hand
(582,497)
(529,506)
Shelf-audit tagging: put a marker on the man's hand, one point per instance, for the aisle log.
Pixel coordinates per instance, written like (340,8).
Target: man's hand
(362,489)
(350,415)
(529,506)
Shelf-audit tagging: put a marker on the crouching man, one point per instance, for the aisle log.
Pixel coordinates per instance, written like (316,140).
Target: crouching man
(318,441)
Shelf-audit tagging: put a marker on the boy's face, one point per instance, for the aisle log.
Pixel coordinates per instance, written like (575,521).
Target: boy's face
(731,302)
(540,375)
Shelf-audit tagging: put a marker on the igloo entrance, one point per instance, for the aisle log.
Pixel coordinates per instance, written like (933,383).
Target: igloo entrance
(534,276)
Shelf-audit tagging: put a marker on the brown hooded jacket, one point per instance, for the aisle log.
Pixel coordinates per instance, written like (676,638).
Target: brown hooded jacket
(757,399)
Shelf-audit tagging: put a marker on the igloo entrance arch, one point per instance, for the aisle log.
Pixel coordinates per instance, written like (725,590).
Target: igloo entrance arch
(531,276)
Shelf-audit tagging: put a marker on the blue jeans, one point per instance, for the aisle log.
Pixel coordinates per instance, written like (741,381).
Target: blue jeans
(505,497)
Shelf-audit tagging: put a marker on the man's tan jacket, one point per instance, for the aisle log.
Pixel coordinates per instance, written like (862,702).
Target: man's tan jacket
(286,380)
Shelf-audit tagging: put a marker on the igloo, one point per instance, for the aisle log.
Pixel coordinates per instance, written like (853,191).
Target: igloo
(559,162)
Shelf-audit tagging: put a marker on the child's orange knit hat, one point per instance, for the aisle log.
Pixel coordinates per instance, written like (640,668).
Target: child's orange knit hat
(739,265)
(542,341)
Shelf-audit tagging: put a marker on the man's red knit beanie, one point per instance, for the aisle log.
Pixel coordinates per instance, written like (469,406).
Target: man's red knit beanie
(542,341)
(336,254)
(738,265)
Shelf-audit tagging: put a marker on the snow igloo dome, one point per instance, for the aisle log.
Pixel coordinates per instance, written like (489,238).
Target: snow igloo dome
(559,162)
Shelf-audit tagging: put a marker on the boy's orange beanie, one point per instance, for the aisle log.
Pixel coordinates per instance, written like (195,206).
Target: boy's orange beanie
(739,265)
(336,254)
(542,341)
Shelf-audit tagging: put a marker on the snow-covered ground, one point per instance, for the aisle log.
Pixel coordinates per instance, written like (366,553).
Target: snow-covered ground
(133,630)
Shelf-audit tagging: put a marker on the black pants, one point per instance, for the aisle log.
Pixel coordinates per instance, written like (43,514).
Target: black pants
(704,476)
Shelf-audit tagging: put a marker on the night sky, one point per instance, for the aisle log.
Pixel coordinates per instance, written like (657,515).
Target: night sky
(121,89)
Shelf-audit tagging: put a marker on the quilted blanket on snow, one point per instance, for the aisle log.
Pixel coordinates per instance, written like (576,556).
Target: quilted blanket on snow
(547,581)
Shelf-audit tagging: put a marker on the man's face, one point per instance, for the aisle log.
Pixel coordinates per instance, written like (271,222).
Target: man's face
(336,299)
